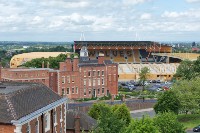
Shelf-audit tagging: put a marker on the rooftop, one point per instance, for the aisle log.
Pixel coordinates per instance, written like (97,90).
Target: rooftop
(20,99)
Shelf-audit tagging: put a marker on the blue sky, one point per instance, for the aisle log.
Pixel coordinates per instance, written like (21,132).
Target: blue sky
(125,20)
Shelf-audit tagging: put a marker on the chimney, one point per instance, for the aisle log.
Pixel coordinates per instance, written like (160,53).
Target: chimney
(43,64)
(100,58)
(47,64)
(75,63)
(68,63)
(77,126)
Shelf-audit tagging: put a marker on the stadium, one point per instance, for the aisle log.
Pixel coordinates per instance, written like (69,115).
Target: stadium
(132,56)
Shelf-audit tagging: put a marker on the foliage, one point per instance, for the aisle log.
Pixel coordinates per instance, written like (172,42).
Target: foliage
(189,120)
(122,112)
(188,93)
(53,61)
(143,74)
(144,125)
(167,123)
(108,121)
(185,70)
(111,119)
(167,101)
(95,110)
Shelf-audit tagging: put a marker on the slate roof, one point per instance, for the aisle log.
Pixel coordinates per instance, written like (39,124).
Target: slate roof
(20,99)
(94,63)
(86,122)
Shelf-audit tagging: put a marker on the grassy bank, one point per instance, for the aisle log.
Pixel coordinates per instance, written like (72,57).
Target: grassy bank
(190,120)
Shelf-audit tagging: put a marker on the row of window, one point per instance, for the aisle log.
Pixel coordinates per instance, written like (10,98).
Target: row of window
(93,73)
(46,122)
(92,82)
(102,90)
(67,79)
(74,90)
(25,75)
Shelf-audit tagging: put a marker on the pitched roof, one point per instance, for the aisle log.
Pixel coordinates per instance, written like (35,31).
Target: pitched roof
(20,99)
(86,122)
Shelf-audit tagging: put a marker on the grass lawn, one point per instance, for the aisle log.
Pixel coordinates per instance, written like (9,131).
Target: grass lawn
(190,120)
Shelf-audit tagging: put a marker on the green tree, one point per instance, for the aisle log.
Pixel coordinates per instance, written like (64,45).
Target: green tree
(185,70)
(144,125)
(107,120)
(96,108)
(143,77)
(167,102)
(167,123)
(188,93)
(122,112)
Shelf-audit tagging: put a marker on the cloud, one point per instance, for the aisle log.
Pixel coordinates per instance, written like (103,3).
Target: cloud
(134,2)
(192,1)
(145,16)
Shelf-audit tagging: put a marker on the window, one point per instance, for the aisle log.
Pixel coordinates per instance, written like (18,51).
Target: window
(102,73)
(93,74)
(72,79)
(67,90)
(114,77)
(98,73)
(84,91)
(63,91)
(89,73)
(36,127)
(47,122)
(102,90)
(61,119)
(61,130)
(84,73)
(98,91)
(28,128)
(89,91)
(109,77)
(68,79)
(55,118)
(94,82)
(25,75)
(84,82)
(90,82)
(63,79)
(72,90)
(102,81)
(98,81)
(76,90)
(43,74)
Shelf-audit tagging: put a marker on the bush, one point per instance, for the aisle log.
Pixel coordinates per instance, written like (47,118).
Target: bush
(188,117)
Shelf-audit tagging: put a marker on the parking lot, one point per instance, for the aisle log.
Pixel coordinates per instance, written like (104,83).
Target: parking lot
(149,85)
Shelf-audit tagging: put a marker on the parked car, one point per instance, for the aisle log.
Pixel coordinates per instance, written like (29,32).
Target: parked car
(196,129)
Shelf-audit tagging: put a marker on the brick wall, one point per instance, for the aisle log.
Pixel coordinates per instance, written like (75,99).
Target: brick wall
(7,128)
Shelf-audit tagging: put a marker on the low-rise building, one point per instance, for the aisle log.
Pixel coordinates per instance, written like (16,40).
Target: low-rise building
(85,78)
(77,78)
(31,107)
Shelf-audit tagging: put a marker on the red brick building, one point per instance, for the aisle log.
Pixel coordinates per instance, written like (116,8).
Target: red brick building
(85,78)
(77,78)
(31,107)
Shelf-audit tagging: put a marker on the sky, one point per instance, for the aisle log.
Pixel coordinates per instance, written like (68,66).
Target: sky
(99,20)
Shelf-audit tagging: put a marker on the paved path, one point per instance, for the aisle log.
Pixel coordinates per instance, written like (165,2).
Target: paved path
(139,113)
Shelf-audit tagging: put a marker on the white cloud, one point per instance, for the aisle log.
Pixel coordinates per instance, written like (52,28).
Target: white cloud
(193,1)
(145,16)
(134,2)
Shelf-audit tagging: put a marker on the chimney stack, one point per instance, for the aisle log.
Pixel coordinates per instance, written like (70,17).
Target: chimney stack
(77,125)
(101,58)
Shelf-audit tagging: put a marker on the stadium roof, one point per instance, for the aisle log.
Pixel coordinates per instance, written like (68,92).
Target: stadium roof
(111,43)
